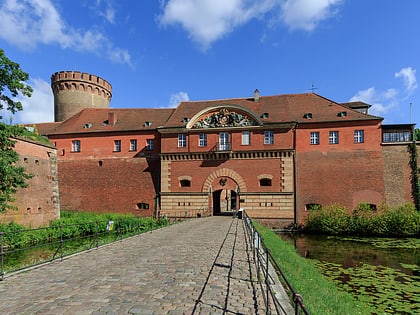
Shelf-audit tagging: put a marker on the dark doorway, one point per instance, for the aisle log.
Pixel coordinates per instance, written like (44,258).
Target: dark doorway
(224,202)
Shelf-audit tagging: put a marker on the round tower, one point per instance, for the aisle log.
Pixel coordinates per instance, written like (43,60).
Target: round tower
(74,91)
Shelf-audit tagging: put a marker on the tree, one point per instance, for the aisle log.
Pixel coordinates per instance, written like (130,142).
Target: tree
(417,134)
(12,177)
(12,78)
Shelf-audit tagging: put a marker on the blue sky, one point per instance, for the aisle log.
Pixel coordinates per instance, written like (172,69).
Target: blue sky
(156,53)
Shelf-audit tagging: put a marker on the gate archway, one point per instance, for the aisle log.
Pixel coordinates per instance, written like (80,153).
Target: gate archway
(224,187)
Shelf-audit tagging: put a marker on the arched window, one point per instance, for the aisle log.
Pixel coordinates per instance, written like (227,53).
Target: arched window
(185,183)
(265,181)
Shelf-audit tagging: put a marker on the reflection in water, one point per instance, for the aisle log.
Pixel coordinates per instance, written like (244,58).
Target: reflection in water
(382,272)
(353,252)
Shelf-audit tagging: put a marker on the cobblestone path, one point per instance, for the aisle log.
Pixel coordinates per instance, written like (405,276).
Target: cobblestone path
(200,266)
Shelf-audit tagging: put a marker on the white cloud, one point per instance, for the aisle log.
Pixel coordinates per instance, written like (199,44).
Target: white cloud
(177,98)
(409,77)
(209,20)
(39,107)
(27,24)
(105,9)
(307,14)
(382,101)
(389,100)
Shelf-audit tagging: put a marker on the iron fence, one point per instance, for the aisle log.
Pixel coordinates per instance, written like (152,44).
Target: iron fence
(264,263)
(24,249)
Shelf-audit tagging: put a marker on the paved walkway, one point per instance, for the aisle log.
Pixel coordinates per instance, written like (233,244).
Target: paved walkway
(200,266)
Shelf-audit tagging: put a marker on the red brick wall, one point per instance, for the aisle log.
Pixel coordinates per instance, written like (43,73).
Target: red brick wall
(37,204)
(283,139)
(345,178)
(116,185)
(102,145)
(247,169)
(372,137)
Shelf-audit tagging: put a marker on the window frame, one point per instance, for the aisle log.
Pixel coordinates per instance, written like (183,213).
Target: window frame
(75,146)
(182,140)
(150,144)
(117,145)
(202,140)
(314,138)
(268,137)
(133,145)
(359,136)
(334,137)
(246,138)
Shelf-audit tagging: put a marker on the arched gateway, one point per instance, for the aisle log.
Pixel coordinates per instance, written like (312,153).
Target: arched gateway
(224,186)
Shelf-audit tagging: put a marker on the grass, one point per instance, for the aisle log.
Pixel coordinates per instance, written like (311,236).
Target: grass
(320,295)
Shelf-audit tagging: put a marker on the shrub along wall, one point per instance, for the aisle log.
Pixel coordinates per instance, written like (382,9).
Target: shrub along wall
(365,221)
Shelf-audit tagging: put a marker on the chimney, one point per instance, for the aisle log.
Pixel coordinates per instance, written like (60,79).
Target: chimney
(112,118)
(256,95)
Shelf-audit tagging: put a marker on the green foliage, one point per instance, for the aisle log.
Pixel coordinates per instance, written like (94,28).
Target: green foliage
(332,220)
(415,180)
(320,295)
(12,176)
(73,225)
(12,84)
(417,134)
(365,221)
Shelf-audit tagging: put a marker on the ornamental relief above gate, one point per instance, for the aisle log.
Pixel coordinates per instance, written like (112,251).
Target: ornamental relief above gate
(225,118)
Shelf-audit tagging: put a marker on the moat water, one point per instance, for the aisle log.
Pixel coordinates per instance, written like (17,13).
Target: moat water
(383,272)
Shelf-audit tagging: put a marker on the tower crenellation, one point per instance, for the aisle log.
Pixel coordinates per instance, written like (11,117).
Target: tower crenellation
(75,90)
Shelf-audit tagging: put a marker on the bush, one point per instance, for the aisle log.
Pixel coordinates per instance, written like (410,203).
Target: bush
(365,221)
(74,224)
(332,220)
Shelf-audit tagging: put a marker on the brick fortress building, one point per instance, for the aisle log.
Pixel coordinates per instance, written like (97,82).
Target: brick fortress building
(274,156)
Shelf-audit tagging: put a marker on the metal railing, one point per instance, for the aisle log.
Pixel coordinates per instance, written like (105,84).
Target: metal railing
(223,146)
(265,262)
(24,249)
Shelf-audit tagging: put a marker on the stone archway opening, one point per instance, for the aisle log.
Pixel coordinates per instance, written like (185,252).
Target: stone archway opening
(225,202)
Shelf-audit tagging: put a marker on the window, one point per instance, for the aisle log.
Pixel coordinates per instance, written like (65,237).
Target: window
(314,137)
(265,182)
(397,136)
(185,183)
(142,206)
(133,145)
(150,144)
(333,137)
(313,206)
(75,146)
(117,145)
(182,140)
(359,136)
(246,138)
(202,140)
(268,137)
(224,144)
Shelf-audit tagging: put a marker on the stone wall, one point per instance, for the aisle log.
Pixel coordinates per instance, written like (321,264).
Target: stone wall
(39,203)
(109,185)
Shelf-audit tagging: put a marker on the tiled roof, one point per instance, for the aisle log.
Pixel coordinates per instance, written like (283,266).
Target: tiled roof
(90,120)
(280,109)
(300,108)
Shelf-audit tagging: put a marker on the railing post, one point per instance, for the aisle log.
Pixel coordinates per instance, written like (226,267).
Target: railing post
(61,242)
(97,234)
(2,257)
(267,282)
